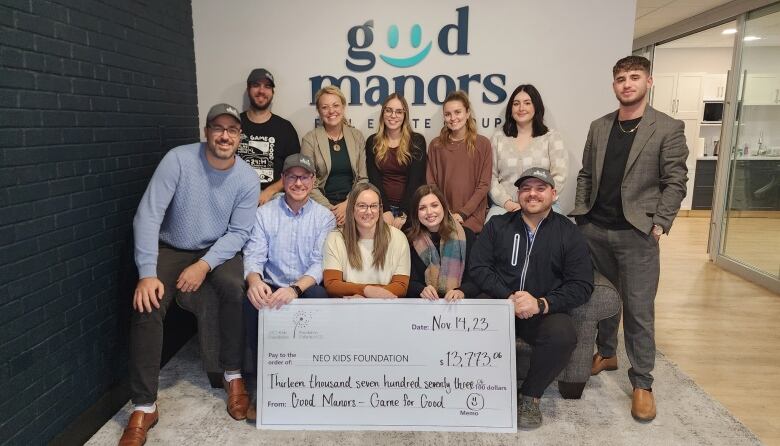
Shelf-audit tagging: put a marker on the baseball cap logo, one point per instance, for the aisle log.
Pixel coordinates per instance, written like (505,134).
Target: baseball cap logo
(541,173)
(305,160)
(231,110)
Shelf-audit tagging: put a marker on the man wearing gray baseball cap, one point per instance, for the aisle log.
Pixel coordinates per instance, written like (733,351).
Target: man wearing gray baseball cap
(193,220)
(283,258)
(538,259)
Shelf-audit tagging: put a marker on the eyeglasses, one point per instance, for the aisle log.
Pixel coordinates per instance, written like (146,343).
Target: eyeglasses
(292,179)
(218,129)
(398,112)
(362,207)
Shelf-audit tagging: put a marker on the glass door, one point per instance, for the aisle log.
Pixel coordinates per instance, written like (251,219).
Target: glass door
(751,219)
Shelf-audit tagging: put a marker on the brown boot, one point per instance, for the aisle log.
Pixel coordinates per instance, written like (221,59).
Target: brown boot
(237,398)
(643,405)
(137,427)
(601,363)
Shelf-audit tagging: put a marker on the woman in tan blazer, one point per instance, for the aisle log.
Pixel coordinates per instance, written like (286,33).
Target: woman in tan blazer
(338,151)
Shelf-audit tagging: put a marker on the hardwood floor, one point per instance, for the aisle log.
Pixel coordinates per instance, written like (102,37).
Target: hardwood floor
(723,331)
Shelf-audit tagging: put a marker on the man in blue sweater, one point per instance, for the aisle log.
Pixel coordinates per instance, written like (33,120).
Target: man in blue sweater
(190,226)
(539,260)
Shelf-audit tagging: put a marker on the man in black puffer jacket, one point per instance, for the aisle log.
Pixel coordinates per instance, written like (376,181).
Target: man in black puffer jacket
(539,260)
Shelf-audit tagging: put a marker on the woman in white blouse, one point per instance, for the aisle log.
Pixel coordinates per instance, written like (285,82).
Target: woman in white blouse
(523,142)
(367,257)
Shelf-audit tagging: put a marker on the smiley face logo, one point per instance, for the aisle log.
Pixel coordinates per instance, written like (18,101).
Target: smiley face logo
(416,40)
(475,401)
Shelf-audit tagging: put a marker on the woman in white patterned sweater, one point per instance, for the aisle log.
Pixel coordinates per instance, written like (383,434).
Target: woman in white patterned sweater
(524,142)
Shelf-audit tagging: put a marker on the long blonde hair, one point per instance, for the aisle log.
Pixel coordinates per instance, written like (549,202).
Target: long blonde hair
(471,123)
(352,236)
(381,141)
(336,91)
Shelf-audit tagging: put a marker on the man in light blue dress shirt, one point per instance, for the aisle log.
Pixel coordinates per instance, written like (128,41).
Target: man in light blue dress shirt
(283,258)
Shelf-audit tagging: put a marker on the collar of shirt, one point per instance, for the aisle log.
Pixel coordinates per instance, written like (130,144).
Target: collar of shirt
(286,207)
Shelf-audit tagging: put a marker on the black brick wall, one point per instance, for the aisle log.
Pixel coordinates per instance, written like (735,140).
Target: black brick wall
(92,93)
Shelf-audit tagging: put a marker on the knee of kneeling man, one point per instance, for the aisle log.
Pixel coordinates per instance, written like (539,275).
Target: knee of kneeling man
(565,334)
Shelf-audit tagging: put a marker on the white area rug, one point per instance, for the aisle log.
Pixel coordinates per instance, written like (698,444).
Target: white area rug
(193,413)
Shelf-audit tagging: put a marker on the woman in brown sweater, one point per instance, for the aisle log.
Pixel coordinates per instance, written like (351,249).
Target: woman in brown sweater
(460,162)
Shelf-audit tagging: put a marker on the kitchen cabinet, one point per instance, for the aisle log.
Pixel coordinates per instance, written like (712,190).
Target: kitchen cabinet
(761,89)
(704,183)
(756,184)
(713,87)
(678,94)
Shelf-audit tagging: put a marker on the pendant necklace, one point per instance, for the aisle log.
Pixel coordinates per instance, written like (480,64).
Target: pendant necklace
(336,146)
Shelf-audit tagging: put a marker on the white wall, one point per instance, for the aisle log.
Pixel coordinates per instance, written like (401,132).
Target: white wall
(565,48)
(761,59)
(692,60)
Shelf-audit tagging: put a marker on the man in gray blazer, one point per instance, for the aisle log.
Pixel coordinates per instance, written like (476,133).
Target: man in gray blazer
(628,192)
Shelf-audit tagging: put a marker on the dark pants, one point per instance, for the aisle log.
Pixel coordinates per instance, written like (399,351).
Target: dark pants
(146,329)
(630,260)
(552,338)
(251,314)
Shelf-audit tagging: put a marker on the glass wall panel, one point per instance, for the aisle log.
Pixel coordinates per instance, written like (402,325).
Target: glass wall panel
(752,217)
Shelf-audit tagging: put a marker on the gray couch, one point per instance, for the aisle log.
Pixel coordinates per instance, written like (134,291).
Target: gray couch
(603,303)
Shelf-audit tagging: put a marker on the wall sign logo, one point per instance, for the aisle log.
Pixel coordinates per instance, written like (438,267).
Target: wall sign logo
(361,37)
(451,39)
(416,38)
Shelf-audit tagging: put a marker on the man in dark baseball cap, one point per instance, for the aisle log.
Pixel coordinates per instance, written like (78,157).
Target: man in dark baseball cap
(266,138)
(260,74)
(538,260)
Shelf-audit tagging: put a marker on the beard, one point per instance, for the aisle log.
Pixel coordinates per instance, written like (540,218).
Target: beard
(259,107)
(223,155)
(631,102)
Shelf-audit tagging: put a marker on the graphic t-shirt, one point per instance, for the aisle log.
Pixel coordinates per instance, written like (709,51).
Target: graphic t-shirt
(265,146)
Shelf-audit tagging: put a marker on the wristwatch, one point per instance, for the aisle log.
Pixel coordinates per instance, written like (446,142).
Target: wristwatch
(658,230)
(542,305)
(297,290)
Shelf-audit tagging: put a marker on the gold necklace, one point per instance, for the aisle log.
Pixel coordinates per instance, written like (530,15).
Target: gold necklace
(628,131)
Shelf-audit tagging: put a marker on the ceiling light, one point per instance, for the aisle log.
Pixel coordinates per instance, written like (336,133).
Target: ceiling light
(729,31)
(751,38)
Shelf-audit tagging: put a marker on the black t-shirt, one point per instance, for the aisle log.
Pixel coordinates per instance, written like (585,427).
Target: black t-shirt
(607,212)
(265,146)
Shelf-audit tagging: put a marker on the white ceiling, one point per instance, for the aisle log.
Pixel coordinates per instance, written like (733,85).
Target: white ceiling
(766,29)
(652,15)
(709,38)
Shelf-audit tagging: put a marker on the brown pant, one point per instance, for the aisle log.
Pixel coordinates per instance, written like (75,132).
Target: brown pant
(146,329)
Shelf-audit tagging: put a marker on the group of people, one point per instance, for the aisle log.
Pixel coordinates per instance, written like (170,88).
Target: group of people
(267,220)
